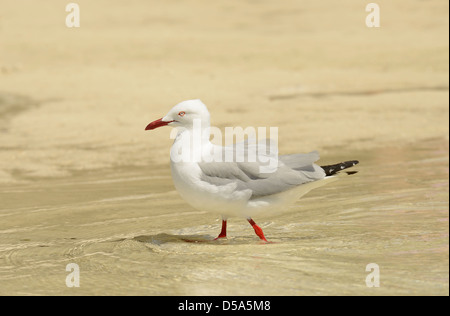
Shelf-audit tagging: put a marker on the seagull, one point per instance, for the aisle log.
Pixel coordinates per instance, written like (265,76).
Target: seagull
(236,188)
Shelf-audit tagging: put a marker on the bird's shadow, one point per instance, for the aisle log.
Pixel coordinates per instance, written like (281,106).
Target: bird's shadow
(163,238)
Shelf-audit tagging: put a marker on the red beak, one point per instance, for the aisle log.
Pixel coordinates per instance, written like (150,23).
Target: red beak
(156,124)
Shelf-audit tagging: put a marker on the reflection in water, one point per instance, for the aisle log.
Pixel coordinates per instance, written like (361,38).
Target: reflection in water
(133,235)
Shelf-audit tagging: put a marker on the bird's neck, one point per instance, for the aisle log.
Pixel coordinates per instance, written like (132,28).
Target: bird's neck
(190,145)
(194,135)
(193,138)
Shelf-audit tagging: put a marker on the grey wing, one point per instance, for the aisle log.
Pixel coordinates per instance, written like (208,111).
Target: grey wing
(292,170)
(300,161)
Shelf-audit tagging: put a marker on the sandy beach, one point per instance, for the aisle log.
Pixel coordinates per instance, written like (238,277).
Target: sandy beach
(80,180)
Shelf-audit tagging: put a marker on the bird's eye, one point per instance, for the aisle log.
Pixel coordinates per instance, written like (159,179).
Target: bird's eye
(182,113)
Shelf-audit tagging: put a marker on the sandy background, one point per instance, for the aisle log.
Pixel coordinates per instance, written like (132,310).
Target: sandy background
(82,182)
(313,69)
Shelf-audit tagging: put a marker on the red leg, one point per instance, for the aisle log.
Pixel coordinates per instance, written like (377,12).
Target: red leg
(223,232)
(257,229)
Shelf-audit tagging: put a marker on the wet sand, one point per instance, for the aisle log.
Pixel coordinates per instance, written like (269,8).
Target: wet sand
(131,234)
(81,182)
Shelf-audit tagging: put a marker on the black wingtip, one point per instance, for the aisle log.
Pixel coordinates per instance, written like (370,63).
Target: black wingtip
(333,169)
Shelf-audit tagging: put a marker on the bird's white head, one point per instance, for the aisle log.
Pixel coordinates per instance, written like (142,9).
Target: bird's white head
(184,115)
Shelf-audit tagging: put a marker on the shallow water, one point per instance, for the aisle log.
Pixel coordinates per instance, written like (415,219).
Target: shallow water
(130,233)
